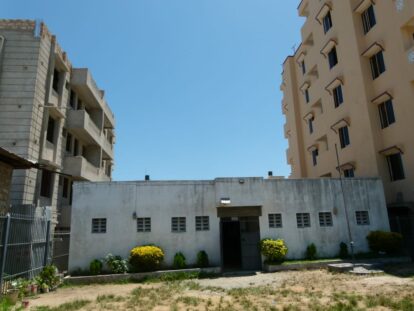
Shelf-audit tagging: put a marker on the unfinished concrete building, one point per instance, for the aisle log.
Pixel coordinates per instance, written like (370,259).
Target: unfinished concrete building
(51,114)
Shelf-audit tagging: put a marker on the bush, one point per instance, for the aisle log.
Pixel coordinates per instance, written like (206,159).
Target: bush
(95,267)
(116,264)
(311,252)
(179,261)
(48,276)
(343,250)
(382,241)
(202,259)
(274,250)
(146,258)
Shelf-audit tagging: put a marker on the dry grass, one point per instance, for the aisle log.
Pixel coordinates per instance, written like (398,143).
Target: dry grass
(303,290)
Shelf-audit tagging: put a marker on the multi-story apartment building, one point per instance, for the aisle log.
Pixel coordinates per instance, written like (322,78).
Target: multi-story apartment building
(51,114)
(349,91)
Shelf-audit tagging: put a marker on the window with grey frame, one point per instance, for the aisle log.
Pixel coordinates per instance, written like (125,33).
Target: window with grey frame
(325,219)
(143,224)
(98,225)
(362,218)
(275,220)
(377,65)
(202,223)
(303,220)
(178,224)
(368,19)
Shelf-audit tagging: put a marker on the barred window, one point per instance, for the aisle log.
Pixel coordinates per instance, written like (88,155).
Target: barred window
(178,224)
(144,224)
(202,223)
(362,218)
(325,219)
(98,225)
(303,220)
(275,220)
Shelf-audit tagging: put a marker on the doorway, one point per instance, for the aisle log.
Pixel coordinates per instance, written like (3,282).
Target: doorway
(240,242)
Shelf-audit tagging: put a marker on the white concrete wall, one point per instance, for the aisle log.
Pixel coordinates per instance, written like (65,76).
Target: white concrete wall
(161,200)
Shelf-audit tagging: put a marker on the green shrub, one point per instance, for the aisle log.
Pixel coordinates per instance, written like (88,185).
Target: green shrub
(343,250)
(48,276)
(202,259)
(179,261)
(116,264)
(274,250)
(95,267)
(146,258)
(382,241)
(311,252)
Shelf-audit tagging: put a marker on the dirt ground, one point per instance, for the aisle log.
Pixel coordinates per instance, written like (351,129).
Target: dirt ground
(294,290)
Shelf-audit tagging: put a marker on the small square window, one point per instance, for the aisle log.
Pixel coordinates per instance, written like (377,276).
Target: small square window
(349,173)
(344,137)
(202,223)
(327,22)
(325,219)
(275,220)
(332,58)
(303,220)
(143,224)
(377,65)
(362,218)
(178,224)
(338,96)
(98,225)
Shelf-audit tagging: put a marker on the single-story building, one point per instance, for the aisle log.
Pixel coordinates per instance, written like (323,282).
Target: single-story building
(226,217)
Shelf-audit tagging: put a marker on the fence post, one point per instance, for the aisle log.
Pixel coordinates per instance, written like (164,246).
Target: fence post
(45,259)
(4,251)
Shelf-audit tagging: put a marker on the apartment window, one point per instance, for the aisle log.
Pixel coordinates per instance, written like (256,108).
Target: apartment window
(275,220)
(325,219)
(55,85)
(76,148)
(315,154)
(98,225)
(327,22)
(377,65)
(386,112)
(69,142)
(65,190)
(202,223)
(395,167)
(71,193)
(310,123)
(143,224)
(368,19)
(332,58)
(338,96)
(178,224)
(344,136)
(307,99)
(362,218)
(50,135)
(303,220)
(349,173)
(72,100)
(46,184)
(303,66)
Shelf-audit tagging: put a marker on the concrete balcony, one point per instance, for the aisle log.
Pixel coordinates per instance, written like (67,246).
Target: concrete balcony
(81,124)
(79,167)
(108,149)
(54,105)
(405,9)
(83,83)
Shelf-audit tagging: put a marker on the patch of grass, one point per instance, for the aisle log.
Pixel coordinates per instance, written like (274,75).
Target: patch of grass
(109,298)
(69,306)
(253,291)
(296,262)
(404,304)
(189,300)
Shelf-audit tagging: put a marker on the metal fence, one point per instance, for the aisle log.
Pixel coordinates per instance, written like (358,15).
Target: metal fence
(61,241)
(25,246)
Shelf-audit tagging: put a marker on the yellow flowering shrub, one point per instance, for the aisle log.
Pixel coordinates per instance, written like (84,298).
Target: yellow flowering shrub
(146,258)
(274,250)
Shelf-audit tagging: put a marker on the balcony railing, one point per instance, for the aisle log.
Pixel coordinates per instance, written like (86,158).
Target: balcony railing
(78,166)
(80,121)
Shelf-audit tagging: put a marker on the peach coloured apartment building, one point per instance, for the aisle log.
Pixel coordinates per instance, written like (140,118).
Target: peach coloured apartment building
(349,94)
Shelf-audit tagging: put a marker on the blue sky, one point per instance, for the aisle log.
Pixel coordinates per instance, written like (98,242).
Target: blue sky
(194,84)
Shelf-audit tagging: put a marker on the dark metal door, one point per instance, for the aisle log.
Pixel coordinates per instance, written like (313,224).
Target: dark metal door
(250,241)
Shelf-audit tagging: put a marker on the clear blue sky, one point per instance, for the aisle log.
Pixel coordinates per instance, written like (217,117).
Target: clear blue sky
(194,84)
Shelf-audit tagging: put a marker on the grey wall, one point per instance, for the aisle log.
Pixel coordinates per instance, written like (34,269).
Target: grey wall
(5,183)
(161,200)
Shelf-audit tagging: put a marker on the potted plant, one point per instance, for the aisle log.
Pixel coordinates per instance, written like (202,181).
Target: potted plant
(44,288)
